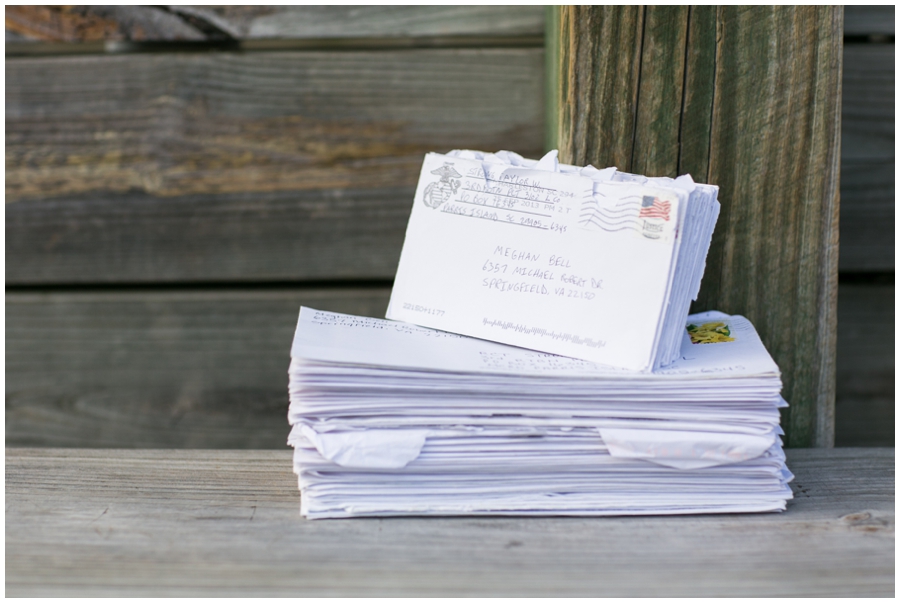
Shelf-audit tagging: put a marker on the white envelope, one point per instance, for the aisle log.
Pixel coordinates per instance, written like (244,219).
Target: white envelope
(569,262)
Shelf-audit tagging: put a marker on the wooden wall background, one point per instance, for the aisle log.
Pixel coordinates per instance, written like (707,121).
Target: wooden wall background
(180,180)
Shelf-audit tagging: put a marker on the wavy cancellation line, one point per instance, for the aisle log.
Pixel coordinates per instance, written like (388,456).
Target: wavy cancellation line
(608,211)
(608,221)
(619,202)
(631,215)
(610,227)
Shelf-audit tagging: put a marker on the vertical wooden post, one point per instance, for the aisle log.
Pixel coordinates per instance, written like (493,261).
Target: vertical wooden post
(747,98)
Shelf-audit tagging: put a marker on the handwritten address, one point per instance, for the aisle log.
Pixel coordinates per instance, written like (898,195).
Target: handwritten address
(511,270)
(511,199)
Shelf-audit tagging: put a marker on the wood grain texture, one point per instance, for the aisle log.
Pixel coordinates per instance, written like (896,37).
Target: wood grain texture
(181,369)
(867,156)
(867,20)
(165,23)
(660,91)
(552,52)
(90,237)
(868,109)
(699,90)
(775,143)
(226,523)
(202,369)
(347,21)
(327,235)
(635,87)
(867,216)
(866,395)
(599,77)
(773,149)
(180,124)
(229,167)
(93,23)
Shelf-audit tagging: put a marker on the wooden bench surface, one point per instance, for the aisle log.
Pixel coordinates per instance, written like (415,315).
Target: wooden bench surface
(204,523)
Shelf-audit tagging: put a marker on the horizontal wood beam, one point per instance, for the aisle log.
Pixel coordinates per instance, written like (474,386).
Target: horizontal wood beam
(155,369)
(149,168)
(207,367)
(866,365)
(199,23)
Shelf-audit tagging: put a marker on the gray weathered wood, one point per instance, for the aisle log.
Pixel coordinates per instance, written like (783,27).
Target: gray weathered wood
(775,145)
(597,86)
(868,20)
(220,523)
(326,234)
(182,124)
(868,109)
(349,21)
(354,233)
(208,368)
(158,23)
(660,94)
(867,216)
(139,23)
(192,167)
(867,157)
(93,236)
(552,51)
(699,91)
(865,408)
(189,369)
(773,149)
(92,23)
(130,235)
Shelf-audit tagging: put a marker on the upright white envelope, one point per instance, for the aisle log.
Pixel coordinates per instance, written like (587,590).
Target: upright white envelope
(552,261)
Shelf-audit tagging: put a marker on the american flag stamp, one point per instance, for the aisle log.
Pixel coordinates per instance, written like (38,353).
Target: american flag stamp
(648,216)
(652,207)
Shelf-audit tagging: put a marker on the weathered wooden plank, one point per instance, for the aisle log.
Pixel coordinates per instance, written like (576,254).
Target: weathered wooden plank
(699,91)
(867,157)
(868,20)
(867,216)
(140,23)
(92,23)
(346,21)
(163,23)
(776,141)
(207,368)
(599,76)
(262,236)
(189,369)
(326,235)
(660,91)
(128,148)
(865,408)
(867,131)
(634,102)
(773,149)
(208,523)
(91,240)
(223,123)
(868,103)
(552,51)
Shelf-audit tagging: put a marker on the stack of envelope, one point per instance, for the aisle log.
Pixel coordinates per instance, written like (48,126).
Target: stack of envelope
(389,418)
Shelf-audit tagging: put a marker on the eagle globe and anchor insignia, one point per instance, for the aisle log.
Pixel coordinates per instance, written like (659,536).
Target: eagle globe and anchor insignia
(437,193)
